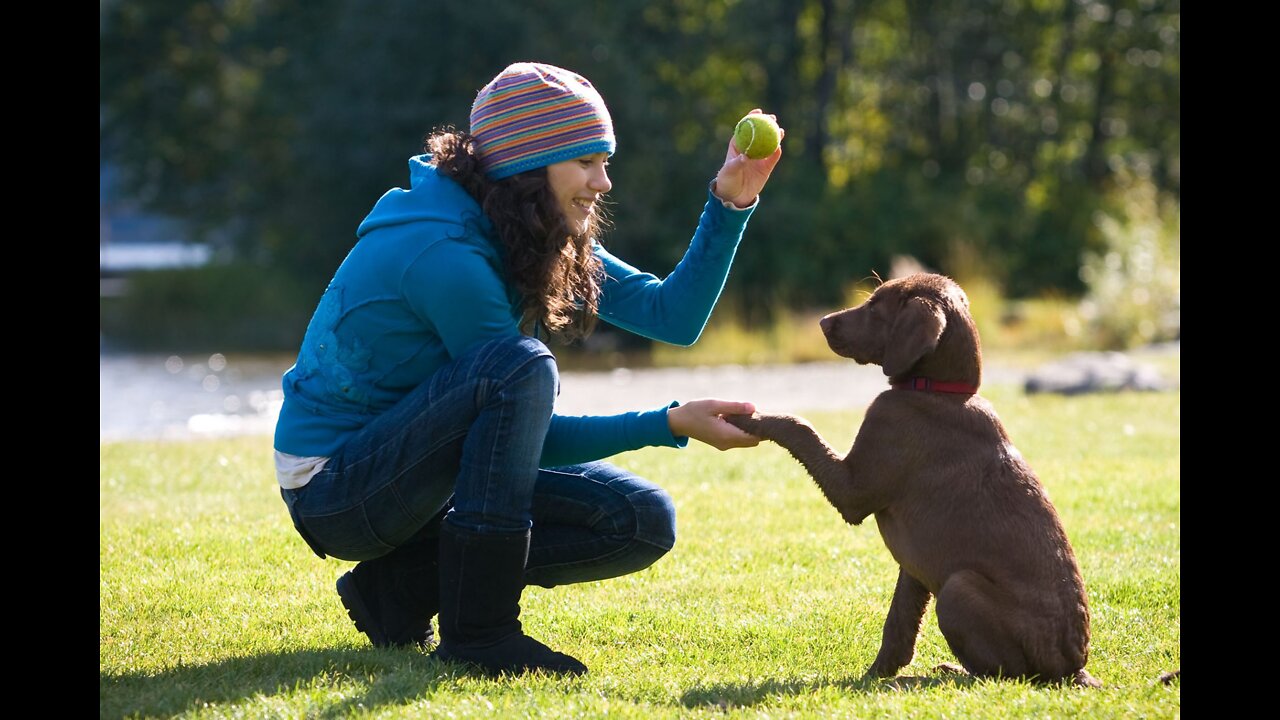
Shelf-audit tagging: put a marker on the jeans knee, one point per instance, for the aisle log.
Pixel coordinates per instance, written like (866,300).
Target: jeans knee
(514,369)
(655,519)
(655,534)
(524,360)
(541,365)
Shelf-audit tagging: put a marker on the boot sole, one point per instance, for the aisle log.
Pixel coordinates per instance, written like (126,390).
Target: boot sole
(359,613)
(494,665)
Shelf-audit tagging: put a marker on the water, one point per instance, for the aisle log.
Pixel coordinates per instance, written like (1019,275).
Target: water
(183,396)
(186,396)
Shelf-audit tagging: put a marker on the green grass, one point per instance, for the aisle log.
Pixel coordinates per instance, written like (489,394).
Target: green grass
(769,606)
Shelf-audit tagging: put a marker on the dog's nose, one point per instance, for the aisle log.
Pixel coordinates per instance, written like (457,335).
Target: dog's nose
(826,323)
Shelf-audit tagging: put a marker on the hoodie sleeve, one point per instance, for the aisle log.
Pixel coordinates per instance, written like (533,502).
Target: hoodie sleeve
(676,309)
(454,287)
(574,439)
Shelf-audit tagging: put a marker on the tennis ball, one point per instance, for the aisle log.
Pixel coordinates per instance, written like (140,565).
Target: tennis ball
(757,135)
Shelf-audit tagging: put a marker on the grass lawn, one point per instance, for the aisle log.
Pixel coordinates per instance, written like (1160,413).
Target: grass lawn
(769,605)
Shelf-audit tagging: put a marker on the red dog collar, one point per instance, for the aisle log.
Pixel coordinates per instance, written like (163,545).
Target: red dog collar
(927,385)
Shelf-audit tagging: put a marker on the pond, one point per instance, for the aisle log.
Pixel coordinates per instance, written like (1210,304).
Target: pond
(188,395)
(180,396)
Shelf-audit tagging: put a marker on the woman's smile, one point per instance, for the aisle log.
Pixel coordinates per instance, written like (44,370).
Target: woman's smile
(577,185)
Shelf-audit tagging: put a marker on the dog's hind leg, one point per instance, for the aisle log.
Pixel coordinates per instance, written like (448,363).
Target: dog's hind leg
(981,627)
(994,635)
(901,627)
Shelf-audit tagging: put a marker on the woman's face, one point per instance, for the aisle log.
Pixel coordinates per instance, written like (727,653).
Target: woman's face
(577,185)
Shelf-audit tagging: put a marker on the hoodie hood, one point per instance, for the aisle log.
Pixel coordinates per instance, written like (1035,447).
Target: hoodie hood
(431,197)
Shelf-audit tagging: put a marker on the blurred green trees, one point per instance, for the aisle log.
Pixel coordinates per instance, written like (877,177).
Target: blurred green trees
(1003,130)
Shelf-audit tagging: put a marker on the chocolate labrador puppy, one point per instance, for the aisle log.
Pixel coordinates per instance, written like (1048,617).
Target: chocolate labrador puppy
(957,505)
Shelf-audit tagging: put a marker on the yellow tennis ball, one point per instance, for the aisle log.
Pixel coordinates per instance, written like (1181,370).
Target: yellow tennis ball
(757,135)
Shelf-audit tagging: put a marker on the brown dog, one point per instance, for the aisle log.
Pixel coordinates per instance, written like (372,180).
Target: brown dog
(958,507)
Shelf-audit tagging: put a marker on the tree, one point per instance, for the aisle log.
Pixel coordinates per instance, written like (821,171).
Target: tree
(989,129)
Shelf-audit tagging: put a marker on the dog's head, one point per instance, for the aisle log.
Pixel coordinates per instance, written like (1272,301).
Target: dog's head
(915,325)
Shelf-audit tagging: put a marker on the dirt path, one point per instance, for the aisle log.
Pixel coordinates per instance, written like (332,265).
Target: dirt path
(780,388)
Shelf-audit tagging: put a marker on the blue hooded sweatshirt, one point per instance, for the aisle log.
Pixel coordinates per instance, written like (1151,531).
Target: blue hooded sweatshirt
(424,283)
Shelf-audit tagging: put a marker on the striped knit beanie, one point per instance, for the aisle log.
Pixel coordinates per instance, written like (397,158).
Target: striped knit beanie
(532,115)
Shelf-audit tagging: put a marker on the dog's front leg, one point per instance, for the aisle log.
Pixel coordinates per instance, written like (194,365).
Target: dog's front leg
(901,627)
(806,445)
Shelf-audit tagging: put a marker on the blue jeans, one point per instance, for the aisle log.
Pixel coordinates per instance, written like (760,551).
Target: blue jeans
(463,447)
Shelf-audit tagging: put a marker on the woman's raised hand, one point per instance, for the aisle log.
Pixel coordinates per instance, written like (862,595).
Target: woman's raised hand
(741,179)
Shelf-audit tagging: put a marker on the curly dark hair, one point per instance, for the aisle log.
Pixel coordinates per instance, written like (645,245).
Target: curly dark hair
(550,265)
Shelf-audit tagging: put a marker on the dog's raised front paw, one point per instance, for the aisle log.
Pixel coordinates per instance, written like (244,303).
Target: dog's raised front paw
(769,427)
(746,423)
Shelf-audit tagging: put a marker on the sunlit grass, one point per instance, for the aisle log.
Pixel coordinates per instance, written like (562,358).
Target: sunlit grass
(769,606)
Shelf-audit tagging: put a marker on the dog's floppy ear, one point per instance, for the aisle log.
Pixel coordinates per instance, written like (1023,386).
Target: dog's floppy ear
(914,334)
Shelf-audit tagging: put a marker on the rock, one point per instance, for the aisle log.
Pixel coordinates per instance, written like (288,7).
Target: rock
(1090,372)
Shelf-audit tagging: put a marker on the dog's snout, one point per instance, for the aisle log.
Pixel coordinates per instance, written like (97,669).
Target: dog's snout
(827,323)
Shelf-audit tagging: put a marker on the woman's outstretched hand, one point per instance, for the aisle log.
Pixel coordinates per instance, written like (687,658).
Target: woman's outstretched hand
(741,179)
(703,420)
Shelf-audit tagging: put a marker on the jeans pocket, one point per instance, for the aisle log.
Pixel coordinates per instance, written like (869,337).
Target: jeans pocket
(347,535)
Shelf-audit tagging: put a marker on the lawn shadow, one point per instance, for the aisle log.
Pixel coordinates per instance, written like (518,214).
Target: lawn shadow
(730,695)
(393,677)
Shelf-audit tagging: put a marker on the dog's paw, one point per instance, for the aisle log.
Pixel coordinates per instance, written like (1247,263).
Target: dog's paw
(767,427)
(881,670)
(950,669)
(1084,679)
(750,424)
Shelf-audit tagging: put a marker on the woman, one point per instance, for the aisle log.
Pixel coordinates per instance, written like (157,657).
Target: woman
(418,435)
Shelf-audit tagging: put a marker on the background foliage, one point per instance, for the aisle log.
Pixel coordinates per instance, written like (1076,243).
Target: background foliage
(1005,139)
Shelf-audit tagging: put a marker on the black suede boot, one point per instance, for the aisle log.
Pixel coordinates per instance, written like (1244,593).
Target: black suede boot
(481,579)
(391,599)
